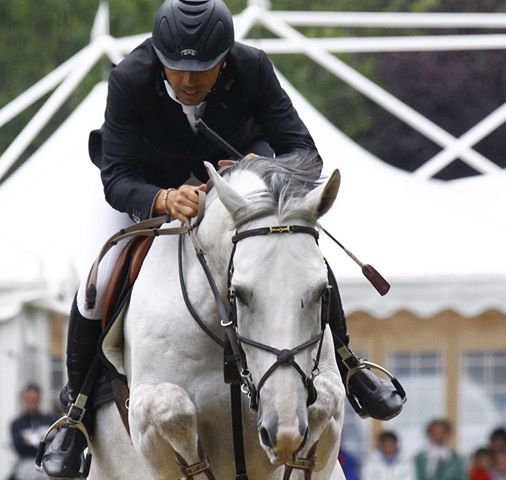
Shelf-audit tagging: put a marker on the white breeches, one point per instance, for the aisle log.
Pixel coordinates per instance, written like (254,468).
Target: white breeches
(101,223)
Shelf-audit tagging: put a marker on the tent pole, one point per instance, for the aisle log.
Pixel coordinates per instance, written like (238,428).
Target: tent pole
(90,56)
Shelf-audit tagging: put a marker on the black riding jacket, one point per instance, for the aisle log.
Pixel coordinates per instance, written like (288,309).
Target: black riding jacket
(147,143)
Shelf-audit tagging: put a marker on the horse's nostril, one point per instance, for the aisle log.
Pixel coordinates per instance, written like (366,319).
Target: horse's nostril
(264,435)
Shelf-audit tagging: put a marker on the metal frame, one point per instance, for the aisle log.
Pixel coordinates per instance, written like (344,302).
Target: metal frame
(67,77)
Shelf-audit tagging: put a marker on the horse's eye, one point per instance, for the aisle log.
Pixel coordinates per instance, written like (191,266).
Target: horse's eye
(325,291)
(240,296)
(321,292)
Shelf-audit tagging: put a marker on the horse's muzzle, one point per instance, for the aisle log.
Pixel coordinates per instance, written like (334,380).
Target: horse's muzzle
(282,441)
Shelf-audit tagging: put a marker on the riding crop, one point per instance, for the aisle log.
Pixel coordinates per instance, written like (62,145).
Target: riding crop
(375,278)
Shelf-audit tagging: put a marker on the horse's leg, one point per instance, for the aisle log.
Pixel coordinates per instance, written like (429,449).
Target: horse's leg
(114,457)
(326,415)
(163,420)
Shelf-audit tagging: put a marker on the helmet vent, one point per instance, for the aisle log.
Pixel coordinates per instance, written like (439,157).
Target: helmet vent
(165,32)
(193,3)
(192,13)
(191,27)
(216,37)
(195,7)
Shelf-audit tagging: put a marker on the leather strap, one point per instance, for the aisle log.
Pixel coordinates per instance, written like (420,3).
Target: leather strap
(146,228)
(274,230)
(240,457)
(187,301)
(202,466)
(305,464)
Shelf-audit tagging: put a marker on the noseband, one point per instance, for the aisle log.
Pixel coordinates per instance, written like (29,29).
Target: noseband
(285,357)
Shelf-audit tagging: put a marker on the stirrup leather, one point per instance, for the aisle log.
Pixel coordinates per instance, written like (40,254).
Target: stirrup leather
(73,419)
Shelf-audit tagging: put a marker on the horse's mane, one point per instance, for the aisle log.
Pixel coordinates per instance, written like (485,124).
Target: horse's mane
(288,179)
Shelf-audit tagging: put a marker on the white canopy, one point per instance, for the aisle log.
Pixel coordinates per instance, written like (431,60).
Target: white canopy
(440,244)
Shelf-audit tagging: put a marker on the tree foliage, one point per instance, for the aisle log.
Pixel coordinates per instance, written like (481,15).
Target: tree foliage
(454,89)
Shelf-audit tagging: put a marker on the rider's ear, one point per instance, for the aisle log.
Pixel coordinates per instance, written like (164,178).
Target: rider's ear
(228,196)
(319,200)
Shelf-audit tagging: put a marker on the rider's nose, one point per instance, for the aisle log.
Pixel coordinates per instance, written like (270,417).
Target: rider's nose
(189,78)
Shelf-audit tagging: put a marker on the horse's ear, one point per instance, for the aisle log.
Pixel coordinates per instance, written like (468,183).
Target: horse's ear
(319,200)
(228,196)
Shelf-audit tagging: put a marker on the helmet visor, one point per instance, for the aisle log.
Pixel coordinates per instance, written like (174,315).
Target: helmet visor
(188,61)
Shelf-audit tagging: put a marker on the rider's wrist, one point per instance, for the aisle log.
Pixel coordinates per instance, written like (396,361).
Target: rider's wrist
(166,200)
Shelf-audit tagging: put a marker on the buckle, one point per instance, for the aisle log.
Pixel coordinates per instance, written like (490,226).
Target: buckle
(200,467)
(283,229)
(75,414)
(77,409)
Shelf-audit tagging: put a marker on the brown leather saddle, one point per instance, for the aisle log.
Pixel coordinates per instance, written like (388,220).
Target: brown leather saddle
(125,273)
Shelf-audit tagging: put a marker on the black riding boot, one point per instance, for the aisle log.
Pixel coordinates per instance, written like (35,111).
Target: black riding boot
(63,458)
(369,395)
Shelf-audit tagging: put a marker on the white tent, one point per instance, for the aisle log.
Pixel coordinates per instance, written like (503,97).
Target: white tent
(441,244)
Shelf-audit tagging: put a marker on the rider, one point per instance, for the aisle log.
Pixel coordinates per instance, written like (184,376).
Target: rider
(148,147)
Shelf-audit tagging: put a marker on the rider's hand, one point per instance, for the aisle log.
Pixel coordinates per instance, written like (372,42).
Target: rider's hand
(181,204)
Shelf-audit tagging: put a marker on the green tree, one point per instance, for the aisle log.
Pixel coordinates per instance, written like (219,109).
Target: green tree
(453,89)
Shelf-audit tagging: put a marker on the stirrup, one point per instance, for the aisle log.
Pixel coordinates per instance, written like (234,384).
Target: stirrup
(73,419)
(362,365)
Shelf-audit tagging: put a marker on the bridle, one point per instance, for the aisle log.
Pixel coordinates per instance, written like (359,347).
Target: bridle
(236,370)
(285,357)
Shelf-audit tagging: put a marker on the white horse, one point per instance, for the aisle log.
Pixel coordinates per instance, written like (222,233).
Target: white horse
(178,399)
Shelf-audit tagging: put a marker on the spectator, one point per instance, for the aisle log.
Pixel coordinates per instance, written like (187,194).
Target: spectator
(350,465)
(439,461)
(386,462)
(27,431)
(497,440)
(481,466)
(499,468)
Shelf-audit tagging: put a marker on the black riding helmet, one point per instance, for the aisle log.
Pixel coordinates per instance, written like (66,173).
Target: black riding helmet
(192,35)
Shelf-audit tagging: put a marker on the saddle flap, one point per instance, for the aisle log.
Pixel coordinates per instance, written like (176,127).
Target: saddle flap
(125,273)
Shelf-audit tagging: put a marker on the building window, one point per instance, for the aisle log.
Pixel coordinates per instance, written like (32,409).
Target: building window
(482,397)
(422,376)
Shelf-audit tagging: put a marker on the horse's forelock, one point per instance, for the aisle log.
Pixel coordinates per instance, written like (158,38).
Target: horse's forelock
(287,178)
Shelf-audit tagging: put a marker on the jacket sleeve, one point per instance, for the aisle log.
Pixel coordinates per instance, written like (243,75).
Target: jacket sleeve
(280,123)
(124,185)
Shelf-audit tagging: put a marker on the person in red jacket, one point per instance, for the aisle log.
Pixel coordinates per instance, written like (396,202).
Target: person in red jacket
(481,465)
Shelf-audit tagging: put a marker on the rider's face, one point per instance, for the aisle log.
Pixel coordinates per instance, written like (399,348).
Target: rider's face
(191,88)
